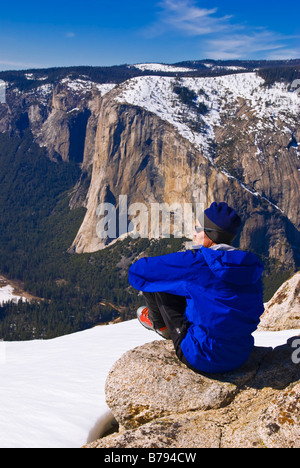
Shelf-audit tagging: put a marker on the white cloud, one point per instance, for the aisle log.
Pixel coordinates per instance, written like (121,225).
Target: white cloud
(221,36)
(267,43)
(70,34)
(285,54)
(185,16)
(20,64)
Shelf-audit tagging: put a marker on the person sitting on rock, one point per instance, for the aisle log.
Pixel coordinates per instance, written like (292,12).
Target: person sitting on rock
(207,300)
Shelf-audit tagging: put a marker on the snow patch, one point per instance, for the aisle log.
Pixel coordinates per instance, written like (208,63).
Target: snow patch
(223,67)
(31,76)
(7,294)
(79,85)
(159,67)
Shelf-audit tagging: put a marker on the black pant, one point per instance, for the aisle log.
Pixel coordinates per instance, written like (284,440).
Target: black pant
(167,310)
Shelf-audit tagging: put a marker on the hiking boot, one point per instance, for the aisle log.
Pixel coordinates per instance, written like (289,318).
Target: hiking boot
(143,317)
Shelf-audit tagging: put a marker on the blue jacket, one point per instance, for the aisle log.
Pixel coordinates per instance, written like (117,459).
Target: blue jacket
(224,297)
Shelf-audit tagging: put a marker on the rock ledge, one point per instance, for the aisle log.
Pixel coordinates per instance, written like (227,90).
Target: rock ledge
(159,403)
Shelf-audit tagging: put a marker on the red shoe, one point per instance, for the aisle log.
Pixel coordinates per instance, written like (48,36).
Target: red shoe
(143,317)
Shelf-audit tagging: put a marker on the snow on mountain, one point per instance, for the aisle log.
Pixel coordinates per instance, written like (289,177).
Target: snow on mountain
(212,66)
(7,294)
(52,392)
(264,109)
(156,94)
(162,68)
(80,85)
(44,92)
(75,86)
(31,76)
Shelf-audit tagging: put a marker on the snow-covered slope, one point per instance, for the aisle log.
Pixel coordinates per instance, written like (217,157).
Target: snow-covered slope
(79,87)
(7,294)
(83,85)
(220,95)
(160,67)
(52,392)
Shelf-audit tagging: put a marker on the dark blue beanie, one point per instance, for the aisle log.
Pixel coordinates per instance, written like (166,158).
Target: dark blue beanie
(224,220)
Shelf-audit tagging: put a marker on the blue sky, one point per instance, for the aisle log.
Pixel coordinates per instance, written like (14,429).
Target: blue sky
(110,32)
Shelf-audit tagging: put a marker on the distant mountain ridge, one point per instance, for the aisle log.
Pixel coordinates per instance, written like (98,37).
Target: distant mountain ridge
(33,77)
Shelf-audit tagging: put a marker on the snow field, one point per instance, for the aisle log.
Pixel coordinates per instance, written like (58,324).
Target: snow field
(52,392)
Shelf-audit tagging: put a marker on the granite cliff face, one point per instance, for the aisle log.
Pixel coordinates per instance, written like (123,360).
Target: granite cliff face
(237,141)
(139,155)
(242,151)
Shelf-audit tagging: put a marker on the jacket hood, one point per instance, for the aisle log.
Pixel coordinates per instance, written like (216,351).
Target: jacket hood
(233,266)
